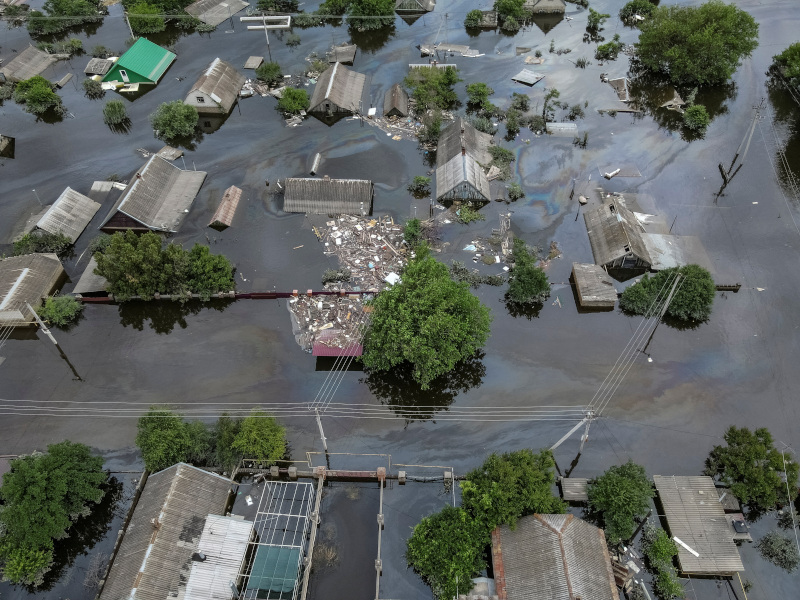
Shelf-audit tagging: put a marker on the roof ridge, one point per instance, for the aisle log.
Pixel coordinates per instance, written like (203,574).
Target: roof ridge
(330,81)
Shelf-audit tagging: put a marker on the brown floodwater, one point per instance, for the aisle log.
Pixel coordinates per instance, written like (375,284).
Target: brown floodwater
(738,368)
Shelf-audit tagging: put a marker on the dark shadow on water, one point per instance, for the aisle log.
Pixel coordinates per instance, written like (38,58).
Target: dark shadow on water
(164,315)
(786,112)
(527,310)
(123,128)
(332,119)
(626,274)
(546,22)
(331,363)
(398,390)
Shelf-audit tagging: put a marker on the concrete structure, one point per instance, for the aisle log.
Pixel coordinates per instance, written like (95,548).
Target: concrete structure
(338,90)
(328,196)
(594,286)
(26,64)
(395,102)
(214,12)
(461,152)
(26,279)
(144,63)
(217,89)
(69,214)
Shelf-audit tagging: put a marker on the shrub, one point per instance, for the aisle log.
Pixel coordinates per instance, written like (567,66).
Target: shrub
(100,51)
(510,24)
(779,550)
(261,438)
(432,87)
(61,310)
(474,19)
(510,9)
(609,50)
(621,494)
(527,283)
(270,73)
(696,118)
(643,8)
(596,20)
(658,547)
(293,101)
(692,301)
(515,192)
(513,122)
(466,215)
(478,95)
(99,243)
(93,89)
(6,91)
(575,112)
(483,124)
(520,102)
(114,113)
(172,120)
(37,95)
(667,585)
(502,159)
(431,128)
(146,18)
(41,241)
(412,232)
(420,185)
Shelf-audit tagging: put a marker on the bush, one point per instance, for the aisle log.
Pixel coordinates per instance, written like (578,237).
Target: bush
(270,73)
(99,243)
(643,8)
(513,123)
(474,19)
(37,95)
(520,102)
(515,192)
(596,20)
(61,310)
(696,118)
(622,494)
(575,112)
(93,89)
(527,283)
(41,241)
(667,585)
(692,301)
(432,87)
(146,18)
(483,124)
(366,15)
(658,547)
(502,159)
(260,438)
(163,438)
(100,51)
(420,185)
(779,550)
(466,215)
(412,232)
(6,91)
(114,113)
(510,9)
(293,101)
(172,120)
(510,24)
(478,96)
(610,50)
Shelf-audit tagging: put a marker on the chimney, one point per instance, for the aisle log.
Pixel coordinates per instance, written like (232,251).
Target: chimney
(326,177)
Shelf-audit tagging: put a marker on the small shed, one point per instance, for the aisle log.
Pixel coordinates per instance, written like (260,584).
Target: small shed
(7,146)
(253,62)
(395,102)
(90,283)
(69,214)
(98,66)
(26,279)
(620,86)
(594,286)
(214,12)
(217,89)
(527,77)
(414,6)
(544,7)
(157,198)
(145,63)
(343,53)
(338,89)
(695,516)
(616,237)
(328,196)
(223,216)
(26,64)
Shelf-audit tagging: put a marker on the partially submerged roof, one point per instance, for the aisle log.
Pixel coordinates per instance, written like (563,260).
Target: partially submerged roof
(343,53)
(667,251)
(574,489)
(552,557)
(90,282)
(159,195)
(28,63)
(98,66)
(414,6)
(69,214)
(26,279)
(224,543)
(460,170)
(155,556)
(147,59)
(527,77)
(7,144)
(214,12)
(620,86)
(614,232)
(594,285)
(395,101)
(461,135)
(223,216)
(545,6)
(222,82)
(336,342)
(340,86)
(695,516)
(328,196)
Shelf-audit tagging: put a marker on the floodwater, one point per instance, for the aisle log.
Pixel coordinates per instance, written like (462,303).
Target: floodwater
(738,368)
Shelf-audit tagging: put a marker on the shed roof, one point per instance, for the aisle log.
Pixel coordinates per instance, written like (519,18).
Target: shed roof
(461,134)
(90,282)
(27,278)
(527,77)
(339,85)
(222,82)
(155,555)
(696,517)
(552,557)
(159,195)
(574,489)
(461,169)
(594,285)
(620,86)
(98,66)
(227,207)
(343,53)
(28,63)
(414,5)
(224,542)
(396,99)
(214,12)
(614,232)
(69,214)
(328,196)
(147,59)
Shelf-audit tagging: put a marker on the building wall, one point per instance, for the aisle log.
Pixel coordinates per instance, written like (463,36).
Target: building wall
(122,222)
(463,191)
(327,107)
(205,107)
(133,77)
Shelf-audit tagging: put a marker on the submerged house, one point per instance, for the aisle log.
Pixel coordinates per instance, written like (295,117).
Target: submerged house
(414,6)
(461,151)
(217,89)
(328,196)
(144,63)
(26,64)
(544,7)
(214,12)
(338,90)
(26,279)
(69,214)
(157,198)
(616,237)
(395,102)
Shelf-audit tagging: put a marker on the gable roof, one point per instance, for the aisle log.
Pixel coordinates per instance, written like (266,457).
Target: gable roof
(553,6)
(159,195)
(145,58)
(339,85)
(695,516)
(612,228)
(222,82)
(154,557)
(69,214)
(414,6)
(28,63)
(460,133)
(458,170)
(552,557)
(26,278)
(327,196)
(227,207)
(214,12)
(396,99)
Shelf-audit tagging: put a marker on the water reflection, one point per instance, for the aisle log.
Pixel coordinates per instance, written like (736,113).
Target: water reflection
(164,315)
(546,22)
(397,389)
(528,310)
(372,40)
(786,112)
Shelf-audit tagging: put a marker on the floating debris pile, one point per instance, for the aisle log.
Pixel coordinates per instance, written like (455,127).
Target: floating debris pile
(329,325)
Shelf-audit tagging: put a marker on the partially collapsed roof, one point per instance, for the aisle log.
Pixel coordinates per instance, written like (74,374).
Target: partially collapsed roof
(158,197)
(340,86)
(615,233)
(328,196)
(155,556)
(214,12)
(69,214)
(28,63)
(26,279)
(222,82)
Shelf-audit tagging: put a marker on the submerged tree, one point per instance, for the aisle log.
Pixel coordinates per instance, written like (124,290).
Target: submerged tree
(622,494)
(780,550)
(433,87)
(260,437)
(527,283)
(174,120)
(693,297)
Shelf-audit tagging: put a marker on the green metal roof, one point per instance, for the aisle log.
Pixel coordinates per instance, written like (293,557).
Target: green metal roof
(275,569)
(147,59)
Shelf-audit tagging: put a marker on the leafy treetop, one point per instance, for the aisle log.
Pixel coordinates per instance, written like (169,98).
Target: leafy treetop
(174,120)
(693,297)
(432,87)
(789,62)
(527,283)
(621,494)
(261,437)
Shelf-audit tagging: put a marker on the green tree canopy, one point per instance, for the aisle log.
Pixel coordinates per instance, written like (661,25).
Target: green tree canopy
(621,494)
(163,438)
(780,550)
(293,100)
(58,15)
(432,87)
(427,319)
(753,468)
(42,495)
(270,73)
(510,9)
(478,95)
(528,284)
(696,118)
(697,45)
(788,62)
(260,437)
(364,15)
(509,486)
(37,95)
(42,241)
(61,310)
(146,18)
(692,301)
(643,8)
(173,120)
(446,550)
(473,19)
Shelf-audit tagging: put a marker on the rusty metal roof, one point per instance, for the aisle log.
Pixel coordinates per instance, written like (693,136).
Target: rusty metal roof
(227,208)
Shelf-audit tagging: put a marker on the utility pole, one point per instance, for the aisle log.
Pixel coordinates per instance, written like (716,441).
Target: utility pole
(44,328)
(125,12)
(588,417)
(730,173)
(321,432)
(266,33)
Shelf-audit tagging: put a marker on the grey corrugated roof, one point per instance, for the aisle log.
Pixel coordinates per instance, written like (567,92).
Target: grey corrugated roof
(553,557)
(340,86)
(90,282)
(69,214)
(159,195)
(222,82)
(27,278)
(214,12)
(327,196)
(396,99)
(527,77)
(154,557)
(28,63)
(612,228)
(696,517)
(224,543)
(458,170)
(460,133)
